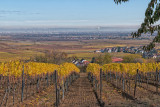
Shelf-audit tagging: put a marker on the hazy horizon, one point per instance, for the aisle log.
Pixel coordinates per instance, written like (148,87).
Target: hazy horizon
(66,13)
(68,29)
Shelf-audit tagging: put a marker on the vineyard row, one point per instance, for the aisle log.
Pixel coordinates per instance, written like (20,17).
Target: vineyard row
(19,80)
(126,78)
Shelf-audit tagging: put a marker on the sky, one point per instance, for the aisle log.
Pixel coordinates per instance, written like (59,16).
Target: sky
(59,13)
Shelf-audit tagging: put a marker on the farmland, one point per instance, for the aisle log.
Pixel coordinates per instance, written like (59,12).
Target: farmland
(40,86)
(13,49)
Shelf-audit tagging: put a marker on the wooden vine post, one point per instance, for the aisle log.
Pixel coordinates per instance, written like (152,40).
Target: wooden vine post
(56,78)
(47,79)
(156,80)
(22,84)
(135,83)
(100,84)
(63,88)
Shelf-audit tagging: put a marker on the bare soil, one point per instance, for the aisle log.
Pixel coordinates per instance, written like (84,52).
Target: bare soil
(45,98)
(145,97)
(80,94)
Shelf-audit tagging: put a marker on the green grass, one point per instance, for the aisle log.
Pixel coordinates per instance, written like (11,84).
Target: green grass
(5,56)
(87,56)
(119,54)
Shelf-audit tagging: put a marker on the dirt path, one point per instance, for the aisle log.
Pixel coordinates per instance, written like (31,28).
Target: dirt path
(80,94)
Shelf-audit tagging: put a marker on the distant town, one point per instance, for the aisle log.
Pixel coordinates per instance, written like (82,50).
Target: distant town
(154,53)
(72,36)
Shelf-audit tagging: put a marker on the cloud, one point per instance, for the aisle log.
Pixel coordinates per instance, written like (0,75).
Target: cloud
(42,22)
(2,16)
(55,21)
(8,12)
